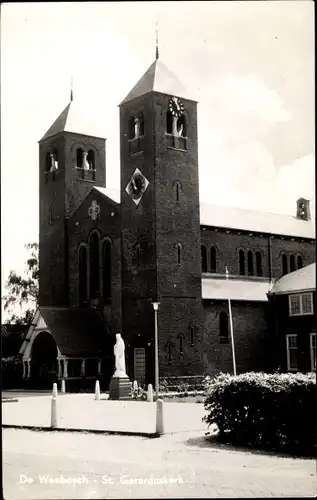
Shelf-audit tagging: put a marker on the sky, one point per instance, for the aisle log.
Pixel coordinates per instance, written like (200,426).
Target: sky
(250,65)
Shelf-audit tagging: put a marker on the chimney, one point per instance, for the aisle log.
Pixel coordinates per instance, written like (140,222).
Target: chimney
(303,209)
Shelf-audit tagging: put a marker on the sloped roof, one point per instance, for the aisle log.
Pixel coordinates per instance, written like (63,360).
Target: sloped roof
(157,78)
(74,119)
(235,289)
(303,279)
(113,194)
(242,219)
(77,332)
(251,220)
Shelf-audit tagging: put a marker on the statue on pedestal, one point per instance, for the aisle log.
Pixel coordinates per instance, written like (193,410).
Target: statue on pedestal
(120,385)
(118,350)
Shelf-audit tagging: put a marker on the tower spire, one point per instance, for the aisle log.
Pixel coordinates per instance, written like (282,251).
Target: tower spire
(71,89)
(156,45)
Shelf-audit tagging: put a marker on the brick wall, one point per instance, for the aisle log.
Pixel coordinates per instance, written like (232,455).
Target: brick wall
(228,244)
(251,336)
(107,224)
(61,192)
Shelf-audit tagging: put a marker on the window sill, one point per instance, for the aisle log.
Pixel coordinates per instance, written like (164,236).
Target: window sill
(301,314)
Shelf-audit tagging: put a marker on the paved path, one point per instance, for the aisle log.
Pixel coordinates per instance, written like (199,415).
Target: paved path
(81,411)
(105,466)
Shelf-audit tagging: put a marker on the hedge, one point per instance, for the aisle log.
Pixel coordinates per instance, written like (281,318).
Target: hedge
(269,411)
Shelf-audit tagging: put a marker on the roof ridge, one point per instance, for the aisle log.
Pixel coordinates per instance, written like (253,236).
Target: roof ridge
(257,211)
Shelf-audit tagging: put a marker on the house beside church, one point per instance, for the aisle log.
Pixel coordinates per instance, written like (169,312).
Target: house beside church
(293,298)
(106,255)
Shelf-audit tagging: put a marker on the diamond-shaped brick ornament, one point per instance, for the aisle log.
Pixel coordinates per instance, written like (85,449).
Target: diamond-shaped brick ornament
(137,186)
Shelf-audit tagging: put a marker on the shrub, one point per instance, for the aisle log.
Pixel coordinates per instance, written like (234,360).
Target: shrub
(163,386)
(139,394)
(270,411)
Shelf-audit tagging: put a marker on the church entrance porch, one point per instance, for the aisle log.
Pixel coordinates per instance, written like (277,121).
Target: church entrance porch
(43,362)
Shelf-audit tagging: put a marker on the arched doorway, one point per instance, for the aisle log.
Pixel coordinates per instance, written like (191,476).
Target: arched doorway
(44,361)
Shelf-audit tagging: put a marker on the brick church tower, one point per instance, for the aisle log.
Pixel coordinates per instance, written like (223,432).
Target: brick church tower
(160,226)
(72,161)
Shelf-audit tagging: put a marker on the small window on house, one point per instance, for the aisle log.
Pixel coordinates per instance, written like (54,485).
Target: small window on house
(223,328)
(79,157)
(258,257)
(179,249)
(192,335)
(313,351)
(94,266)
(292,264)
(107,270)
(284,264)
(307,303)
(82,277)
(294,305)
(291,352)
(250,263)
(91,159)
(203,259)
(300,304)
(241,263)
(213,260)
(299,262)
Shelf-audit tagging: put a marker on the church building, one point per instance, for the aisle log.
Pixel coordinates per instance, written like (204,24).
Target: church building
(107,256)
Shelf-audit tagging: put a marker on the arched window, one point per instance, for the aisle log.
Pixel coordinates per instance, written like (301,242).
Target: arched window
(203,259)
(131,129)
(79,157)
(177,189)
(169,346)
(82,277)
(94,266)
(299,262)
(91,159)
(181,127)
(284,264)
(138,255)
(223,328)
(48,162)
(258,258)
(213,260)
(106,254)
(192,335)
(141,124)
(292,264)
(181,352)
(241,262)
(250,263)
(179,250)
(51,161)
(50,216)
(169,122)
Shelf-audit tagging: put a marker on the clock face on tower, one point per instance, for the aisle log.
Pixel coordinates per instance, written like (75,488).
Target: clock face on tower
(176,106)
